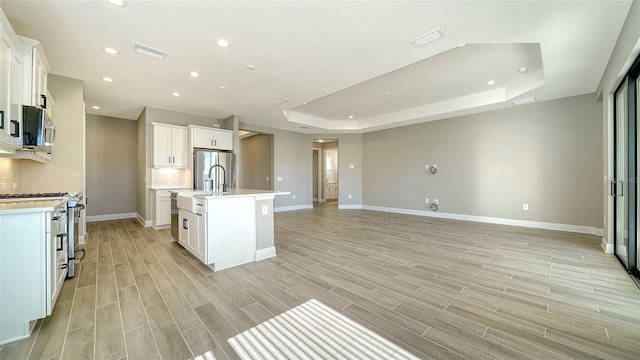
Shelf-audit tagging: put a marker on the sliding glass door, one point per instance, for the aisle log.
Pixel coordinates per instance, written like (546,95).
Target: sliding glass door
(624,186)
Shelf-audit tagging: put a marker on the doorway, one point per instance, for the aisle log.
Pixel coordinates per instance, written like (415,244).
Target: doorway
(623,188)
(325,177)
(255,160)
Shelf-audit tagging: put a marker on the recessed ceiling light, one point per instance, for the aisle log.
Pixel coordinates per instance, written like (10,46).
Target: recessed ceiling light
(304,103)
(176,94)
(462,45)
(194,74)
(350,116)
(110,50)
(282,101)
(320,140)
(250,67)
(107,79)
(387,93)
(223,43)
(119,3)
(523,69)
(96,107)
(222,88)
(491,82)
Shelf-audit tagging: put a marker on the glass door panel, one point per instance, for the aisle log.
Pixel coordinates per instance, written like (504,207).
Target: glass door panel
(621,175)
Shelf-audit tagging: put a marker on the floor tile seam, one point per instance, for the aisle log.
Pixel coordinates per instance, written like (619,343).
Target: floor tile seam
(115,279)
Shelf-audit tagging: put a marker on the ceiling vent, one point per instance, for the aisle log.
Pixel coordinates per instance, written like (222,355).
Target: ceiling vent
(149,51)
(282,101)
(427,38)
(522,101)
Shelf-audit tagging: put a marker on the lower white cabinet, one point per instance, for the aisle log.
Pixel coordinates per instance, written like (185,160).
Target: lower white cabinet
(332,191)
(192,234)
(32,269)
(162,208)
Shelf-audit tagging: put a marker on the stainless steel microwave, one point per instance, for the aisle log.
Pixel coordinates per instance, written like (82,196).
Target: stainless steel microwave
(38,132)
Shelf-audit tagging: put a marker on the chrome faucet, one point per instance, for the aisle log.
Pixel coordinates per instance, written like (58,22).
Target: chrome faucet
(224,177)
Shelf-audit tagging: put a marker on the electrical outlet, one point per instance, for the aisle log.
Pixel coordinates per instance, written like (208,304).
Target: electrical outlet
(279,178)
(351,166)
(436,201)
(426,201)
(525,207)
(350,196)
(426,167)
(265,209)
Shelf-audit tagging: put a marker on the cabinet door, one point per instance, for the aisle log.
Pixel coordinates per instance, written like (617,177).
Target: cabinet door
(163,209)
(179,147)
(40,93)
(162,146)
(202,138)
(201,250)
(223,139)
(15,110)
(192,242)
(183,225)
(5,87)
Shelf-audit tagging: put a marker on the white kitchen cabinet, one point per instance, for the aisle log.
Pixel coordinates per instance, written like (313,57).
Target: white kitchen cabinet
(169,146)
(162,206)
(331,191)
(32,268)
(10,90)
(211,138)
(191,234)
(35,73)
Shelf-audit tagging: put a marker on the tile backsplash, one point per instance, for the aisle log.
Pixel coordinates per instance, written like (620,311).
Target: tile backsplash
(9,175)
(178,178)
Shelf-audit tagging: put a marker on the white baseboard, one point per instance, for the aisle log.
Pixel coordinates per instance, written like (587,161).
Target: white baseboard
(349,207)
(145,223)
(491,220)
(262,254)
(95,218)
(606,246)
(292,208)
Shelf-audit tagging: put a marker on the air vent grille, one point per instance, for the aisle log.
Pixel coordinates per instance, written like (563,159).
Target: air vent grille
(427,38)
(282,101)
(149,51)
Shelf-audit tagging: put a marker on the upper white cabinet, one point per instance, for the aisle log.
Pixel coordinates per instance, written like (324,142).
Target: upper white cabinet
(35,73)
(211,138)
(169,145)
(11,68)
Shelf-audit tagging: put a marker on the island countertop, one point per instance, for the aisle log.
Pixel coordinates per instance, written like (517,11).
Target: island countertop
(200,194)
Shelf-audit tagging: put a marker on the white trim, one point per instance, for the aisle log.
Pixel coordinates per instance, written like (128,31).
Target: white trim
(491,220)
(266,253)
(599,232)
(350,207)
(95,218)
(145,223)
(606,246)
(292,208)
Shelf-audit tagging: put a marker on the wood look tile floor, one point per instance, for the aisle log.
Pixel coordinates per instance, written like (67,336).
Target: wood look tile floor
(438,288)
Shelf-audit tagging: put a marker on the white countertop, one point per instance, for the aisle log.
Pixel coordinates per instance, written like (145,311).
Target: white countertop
(232,193)
(27,206)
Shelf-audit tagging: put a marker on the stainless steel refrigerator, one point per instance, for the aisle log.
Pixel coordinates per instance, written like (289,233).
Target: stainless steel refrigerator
(213,170)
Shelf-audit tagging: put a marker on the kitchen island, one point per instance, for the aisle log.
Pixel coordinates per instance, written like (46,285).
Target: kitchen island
(226,229)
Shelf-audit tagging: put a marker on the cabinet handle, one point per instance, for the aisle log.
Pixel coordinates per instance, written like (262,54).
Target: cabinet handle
(43,103)
(1,119)
(15,128)
(211,142)
(215,142)
(60,236)
(174,159)
(185,224)
(169,159)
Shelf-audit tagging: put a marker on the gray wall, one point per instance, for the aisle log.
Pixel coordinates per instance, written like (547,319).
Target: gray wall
(293,160)
(111,165)
(65,170)
(255,163)
(489,164)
